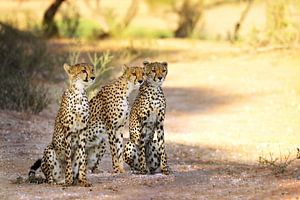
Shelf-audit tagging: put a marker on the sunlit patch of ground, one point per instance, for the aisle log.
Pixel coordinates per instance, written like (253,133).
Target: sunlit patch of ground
(247,104)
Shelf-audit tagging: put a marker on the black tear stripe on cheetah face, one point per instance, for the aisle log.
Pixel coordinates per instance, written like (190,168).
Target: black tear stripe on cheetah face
(110,106)
(143,153)
(72,118)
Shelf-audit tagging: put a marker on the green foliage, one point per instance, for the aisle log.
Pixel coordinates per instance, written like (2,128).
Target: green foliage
(101,64)
(22,57)
(68,26)
(88,29)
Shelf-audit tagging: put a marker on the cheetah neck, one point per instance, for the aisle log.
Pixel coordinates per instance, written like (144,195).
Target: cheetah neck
(152,84)
(126,85)
(78,87)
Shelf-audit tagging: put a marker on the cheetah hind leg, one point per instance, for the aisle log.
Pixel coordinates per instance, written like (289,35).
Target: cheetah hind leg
(130,156)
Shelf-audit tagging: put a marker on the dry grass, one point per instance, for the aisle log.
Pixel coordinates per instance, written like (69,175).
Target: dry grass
(23,57)
(279,164)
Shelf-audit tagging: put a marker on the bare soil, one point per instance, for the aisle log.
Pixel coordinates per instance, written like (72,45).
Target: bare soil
(226,106)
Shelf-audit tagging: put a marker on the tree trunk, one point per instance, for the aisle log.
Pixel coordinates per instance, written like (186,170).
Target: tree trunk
(131,13)
(189,15)
(49,25)
(241,20)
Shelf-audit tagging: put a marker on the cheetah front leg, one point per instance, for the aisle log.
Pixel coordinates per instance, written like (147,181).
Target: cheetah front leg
(142,150)
(119,146)
(161,146)
(81,161)
(152,154)
(113,149)
(68,158)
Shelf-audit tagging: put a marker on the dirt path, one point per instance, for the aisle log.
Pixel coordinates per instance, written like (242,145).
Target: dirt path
(225,107)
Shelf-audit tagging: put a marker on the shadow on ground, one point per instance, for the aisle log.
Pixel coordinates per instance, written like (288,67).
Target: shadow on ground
(198,100)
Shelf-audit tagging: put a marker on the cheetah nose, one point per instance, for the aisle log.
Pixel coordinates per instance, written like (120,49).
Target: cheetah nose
(140,81)
(160,78)
(93,78)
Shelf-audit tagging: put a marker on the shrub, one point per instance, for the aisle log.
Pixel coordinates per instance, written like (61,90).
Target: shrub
(280,26)
(22,58)
(278,165)
(101,63)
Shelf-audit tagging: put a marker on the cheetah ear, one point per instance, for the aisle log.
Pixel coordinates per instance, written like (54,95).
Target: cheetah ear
(67,67)
(146,62)
(125,68)
(165,64)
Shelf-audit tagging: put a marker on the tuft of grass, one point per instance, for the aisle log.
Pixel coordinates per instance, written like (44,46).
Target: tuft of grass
(101,63)
(278,165)
(23,60)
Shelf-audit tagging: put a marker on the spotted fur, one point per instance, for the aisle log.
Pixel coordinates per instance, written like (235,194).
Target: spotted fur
(68,145)
(110,106)
(143,153)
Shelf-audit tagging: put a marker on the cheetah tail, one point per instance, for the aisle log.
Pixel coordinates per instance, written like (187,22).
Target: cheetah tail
(34,167)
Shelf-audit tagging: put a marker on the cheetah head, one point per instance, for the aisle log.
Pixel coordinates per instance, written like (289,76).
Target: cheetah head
(81,73)
(135,75)
(156,72)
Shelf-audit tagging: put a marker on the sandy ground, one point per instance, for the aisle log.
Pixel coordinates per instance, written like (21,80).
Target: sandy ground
(226,107)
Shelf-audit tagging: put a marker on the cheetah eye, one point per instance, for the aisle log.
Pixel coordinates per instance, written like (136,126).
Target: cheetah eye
(134,74)
(153,70)
(83,71)
(164,71)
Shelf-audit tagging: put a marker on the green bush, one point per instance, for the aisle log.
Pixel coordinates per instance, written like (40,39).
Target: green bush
(68,27)
(22,59)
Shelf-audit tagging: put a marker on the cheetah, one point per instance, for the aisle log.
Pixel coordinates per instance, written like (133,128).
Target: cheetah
(67,148)
(142,152)
(111,107)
